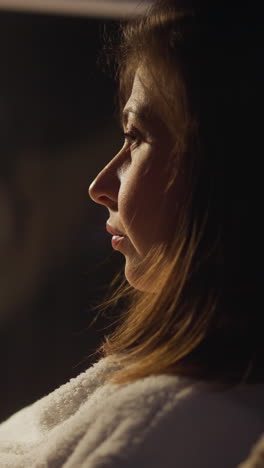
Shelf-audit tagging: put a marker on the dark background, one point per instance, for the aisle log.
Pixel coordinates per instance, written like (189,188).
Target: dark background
(46,330)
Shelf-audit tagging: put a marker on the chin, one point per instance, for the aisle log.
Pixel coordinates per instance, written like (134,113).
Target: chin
(138,282)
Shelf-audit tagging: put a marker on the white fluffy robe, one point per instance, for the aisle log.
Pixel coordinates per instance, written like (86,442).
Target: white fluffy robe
(159,421)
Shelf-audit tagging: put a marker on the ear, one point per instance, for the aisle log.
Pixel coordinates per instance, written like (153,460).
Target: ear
(6,217)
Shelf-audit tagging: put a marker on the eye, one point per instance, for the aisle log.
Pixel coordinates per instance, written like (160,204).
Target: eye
(132,138)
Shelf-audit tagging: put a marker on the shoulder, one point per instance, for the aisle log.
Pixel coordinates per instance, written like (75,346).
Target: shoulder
(161,420)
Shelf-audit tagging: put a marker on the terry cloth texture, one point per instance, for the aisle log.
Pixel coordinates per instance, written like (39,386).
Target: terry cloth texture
(159,421)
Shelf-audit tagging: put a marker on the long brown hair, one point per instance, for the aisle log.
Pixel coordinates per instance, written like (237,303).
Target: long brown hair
(204,320)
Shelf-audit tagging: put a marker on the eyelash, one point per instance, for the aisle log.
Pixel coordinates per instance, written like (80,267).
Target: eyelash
(132,137)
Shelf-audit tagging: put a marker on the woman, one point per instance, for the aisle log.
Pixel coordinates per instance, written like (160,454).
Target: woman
(181,195)
(180,381)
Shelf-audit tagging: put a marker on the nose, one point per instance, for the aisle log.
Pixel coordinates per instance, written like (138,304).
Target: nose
(105,187)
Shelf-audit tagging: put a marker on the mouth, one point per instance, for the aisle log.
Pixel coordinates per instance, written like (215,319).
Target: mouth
(118,238)
(114,231)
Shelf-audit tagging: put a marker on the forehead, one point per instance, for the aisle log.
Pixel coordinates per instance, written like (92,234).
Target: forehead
(140,85)
(144,105)
(141,100)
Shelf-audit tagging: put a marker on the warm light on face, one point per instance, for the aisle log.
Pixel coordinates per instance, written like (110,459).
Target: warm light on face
(132,185)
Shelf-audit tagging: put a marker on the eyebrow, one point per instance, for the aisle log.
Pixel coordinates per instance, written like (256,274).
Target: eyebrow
(143,113)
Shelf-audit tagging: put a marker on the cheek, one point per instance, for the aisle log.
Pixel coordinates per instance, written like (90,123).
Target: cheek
(141,207)
(131,204)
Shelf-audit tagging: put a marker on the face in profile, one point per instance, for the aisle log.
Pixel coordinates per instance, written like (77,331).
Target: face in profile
(132,185)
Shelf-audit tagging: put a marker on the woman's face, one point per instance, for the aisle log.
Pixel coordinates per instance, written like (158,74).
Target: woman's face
(132,185)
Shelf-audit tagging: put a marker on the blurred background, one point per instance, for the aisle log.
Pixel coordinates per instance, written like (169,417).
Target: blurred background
(58,128)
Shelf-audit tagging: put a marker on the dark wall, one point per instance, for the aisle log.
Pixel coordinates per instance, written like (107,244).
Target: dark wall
(58,129)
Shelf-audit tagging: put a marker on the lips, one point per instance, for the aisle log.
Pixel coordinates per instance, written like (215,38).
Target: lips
(114,231)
